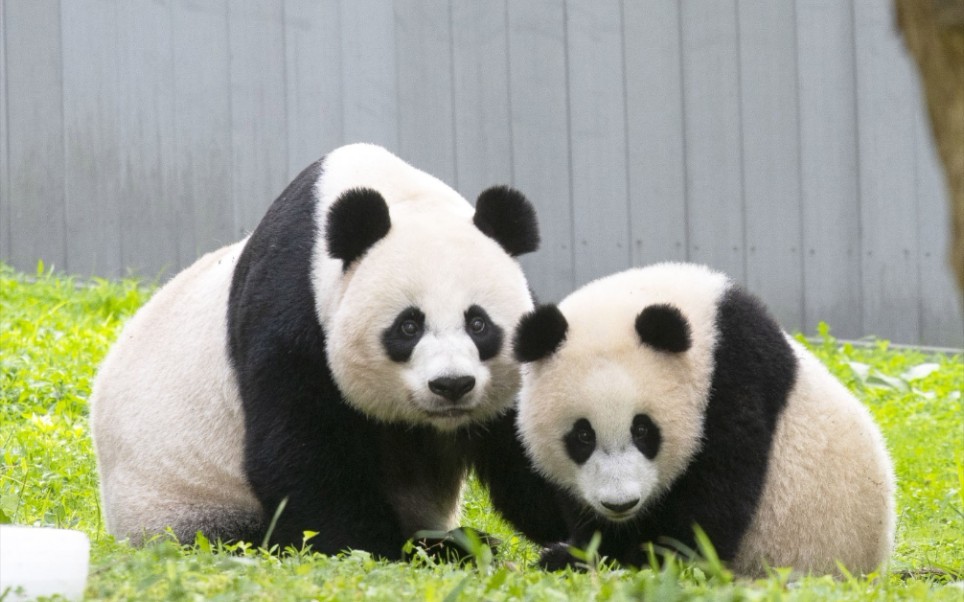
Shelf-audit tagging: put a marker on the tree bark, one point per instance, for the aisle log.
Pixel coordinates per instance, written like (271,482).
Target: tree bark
(933,31)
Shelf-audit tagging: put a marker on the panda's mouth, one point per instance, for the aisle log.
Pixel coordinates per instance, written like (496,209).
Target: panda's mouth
(617,517)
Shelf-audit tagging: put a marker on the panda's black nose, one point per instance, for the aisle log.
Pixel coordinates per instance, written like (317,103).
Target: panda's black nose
(452,388)
(621,507)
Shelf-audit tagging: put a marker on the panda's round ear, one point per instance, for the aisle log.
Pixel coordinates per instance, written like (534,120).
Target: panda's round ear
(539,333)
(356,220)
(505,215)
(664,328)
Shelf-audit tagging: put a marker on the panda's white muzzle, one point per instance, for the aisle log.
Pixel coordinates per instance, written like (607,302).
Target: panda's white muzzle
(616,485)
(446,378)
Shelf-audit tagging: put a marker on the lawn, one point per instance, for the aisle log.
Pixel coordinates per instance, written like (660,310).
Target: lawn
(54,332)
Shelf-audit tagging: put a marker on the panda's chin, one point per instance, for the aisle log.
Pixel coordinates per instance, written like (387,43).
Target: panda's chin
(449,419)
(446,416)
(449,413)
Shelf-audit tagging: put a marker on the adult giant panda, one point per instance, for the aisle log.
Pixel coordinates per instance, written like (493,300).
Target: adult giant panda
(665,397)
(335,359)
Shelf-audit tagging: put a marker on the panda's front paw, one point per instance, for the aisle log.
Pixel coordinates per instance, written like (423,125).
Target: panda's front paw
(456,546)
(557,557)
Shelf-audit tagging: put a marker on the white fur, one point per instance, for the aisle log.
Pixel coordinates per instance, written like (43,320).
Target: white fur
(433,258)
(168,427)
(832,470)
(166,413)
(830,486)
(370,166)
(602,373)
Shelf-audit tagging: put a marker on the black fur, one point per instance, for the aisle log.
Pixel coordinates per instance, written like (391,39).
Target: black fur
(303,442)
(646,435)
(488,340)
(454,546)
(356,220)
(754,372)
(452,388)
(664,328)
(398,343)
(539,333)
(580,441)
(505,215)
(517,491)
(216,523)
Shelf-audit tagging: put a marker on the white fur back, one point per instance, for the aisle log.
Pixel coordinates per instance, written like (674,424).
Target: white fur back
(168,427)
(829,494)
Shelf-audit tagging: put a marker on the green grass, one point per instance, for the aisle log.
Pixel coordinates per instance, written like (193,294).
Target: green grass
(54,331)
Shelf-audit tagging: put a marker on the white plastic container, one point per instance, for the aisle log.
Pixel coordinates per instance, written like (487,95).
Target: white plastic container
(43,562)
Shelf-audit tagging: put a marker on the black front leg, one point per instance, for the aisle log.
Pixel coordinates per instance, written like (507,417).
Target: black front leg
(520,494)
(558,557)
(456,546)
(317,457)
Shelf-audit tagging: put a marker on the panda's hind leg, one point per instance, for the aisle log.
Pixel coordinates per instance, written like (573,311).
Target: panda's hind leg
(216,523)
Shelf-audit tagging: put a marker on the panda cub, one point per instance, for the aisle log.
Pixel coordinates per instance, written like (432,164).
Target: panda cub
(665,397)
(324,372)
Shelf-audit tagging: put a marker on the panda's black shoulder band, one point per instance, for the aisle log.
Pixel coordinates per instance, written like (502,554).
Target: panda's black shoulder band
(539,334)
(664,328)
(505,215)
(356,220)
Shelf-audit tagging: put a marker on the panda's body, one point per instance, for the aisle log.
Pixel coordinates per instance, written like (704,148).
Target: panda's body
(334,360)
(665,397)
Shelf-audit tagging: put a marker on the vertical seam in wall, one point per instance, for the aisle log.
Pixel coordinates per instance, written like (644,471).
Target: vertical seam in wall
(235,225)
(341,76)
(179,224)
(455,121)
(858,171)
(739,96)
(284,85)
(120,134)
(508,92)
(682,124)
(800,238)
(398,88)
(915,123)
(5,204)
(630,243)
(63,136)
(572,213)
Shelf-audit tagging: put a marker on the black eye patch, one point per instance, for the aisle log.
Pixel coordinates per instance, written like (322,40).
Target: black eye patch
(580,441)
(486,334)
(646,435)
(400,338)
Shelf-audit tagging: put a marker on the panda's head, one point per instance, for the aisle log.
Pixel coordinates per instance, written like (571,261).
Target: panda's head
(421,333)
(615,387)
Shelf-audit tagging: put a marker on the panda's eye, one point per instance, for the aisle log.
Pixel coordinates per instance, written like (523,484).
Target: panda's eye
(483,331)
(477,325)
(646,435)
(580,441)
(409,328)
(584,437)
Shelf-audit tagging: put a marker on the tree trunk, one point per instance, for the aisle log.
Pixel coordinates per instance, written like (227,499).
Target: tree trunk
(934,33)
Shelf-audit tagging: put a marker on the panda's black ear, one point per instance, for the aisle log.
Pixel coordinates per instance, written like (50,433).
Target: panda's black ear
(356,220)
(663,327)
(539,333)
(505,215)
